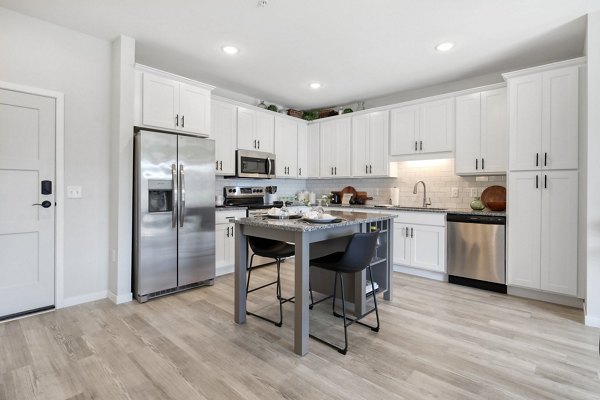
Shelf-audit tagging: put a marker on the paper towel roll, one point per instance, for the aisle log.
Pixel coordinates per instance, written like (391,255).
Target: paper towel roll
(395,196)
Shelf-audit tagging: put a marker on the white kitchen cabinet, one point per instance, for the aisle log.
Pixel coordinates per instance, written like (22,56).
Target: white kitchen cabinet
(336,148)
(370,145)
(313,150)
(422,128)
(255,130)
(223,131)
(174,105)
(286,148)
(543,120)
(542,231)
(302,144)
(481,133)
(420,240)
(225,239)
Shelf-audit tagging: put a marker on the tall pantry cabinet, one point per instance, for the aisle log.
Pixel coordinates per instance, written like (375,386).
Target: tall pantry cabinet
(543,179)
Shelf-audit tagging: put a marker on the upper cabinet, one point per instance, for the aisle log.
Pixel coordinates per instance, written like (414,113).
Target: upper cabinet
(422,128)
(543,120)
(308,150)
(286,148)
(370,144)
(167,103)
(223,131)
(481,133)
(336,146)
(255,130)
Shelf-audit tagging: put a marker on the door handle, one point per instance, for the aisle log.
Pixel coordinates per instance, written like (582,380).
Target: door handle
(331,170)
(254,143)
(227,231)
(545,181)
(415,145)
(182,191)
(183,121)
(217,167)
(232,231)
(221,165)
(421,145)
(174,196)
(335,169)
(545,159)
(476,164)
(258,141)
(370,169)
(537,157)
(44,204)
(412,233)
(536,181)
(366,169)
(482,163)
(406,229)
(300,171)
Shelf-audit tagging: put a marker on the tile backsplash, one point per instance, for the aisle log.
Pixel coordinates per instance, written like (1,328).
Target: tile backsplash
(438,175)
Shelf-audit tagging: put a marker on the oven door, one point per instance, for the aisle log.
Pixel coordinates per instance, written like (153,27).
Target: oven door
(255,164)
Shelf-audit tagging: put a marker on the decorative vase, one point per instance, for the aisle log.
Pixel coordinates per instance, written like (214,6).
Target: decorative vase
(477,204)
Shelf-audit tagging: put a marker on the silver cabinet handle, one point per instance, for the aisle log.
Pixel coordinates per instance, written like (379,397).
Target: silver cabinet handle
(182,189)
(174,196)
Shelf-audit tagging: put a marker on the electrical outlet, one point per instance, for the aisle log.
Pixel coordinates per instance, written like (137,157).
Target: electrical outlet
(73,192)
(454,192)
(474,192)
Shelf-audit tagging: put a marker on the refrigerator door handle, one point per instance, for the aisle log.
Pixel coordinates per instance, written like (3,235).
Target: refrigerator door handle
(174,196)
(182,191)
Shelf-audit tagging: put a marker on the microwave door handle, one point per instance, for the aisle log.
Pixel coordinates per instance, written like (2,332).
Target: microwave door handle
(268,167)
(174,196)
(182,193)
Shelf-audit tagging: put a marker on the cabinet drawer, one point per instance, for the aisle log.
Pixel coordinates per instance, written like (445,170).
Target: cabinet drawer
(420,218)
(223,217)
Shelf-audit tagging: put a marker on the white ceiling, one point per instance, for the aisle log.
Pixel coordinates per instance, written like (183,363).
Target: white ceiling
(356,49)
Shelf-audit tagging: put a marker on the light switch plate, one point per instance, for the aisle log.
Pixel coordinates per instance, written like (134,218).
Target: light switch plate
(474,192)
(454,192)
(73,192)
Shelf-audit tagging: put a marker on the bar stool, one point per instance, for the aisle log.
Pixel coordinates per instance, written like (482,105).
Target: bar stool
(270,249)
(355,258)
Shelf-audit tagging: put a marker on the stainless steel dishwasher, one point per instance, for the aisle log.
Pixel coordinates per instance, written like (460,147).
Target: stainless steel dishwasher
(476,250)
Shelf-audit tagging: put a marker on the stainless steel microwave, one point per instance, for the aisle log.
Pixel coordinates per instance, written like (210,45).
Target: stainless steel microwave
(254,164)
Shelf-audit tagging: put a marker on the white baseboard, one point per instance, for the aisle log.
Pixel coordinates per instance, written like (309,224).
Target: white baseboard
(545,296)
(225,270)
(84,298)
(592,320)
(120,299)
(438,276)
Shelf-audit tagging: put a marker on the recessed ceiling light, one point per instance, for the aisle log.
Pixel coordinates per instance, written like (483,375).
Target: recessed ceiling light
(230,49)
(444,46)
(315,85)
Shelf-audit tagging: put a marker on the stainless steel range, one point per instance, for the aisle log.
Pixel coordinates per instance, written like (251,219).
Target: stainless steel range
(252,197)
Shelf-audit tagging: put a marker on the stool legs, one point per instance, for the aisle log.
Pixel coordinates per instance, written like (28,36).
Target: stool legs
(278,293)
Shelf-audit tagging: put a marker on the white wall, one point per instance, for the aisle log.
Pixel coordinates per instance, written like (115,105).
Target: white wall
(43,55)
(593,170)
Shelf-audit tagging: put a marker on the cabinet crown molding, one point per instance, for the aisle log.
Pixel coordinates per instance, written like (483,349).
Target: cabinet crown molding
(580,61)
(145,68)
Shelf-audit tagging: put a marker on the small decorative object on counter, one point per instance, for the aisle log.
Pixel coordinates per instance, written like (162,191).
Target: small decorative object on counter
(261,104)
(272,107)
(494,198)
(477,204)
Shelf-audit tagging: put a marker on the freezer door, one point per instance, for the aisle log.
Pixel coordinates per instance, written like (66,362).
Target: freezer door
(155,212)
(196,169)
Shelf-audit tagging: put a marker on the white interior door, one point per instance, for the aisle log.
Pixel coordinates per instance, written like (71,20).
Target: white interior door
(27,147)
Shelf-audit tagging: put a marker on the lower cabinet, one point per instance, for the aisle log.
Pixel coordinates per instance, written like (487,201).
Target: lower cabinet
(420,240)
(225,240)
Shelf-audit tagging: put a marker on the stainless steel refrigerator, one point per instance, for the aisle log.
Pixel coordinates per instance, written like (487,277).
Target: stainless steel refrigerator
(174,213)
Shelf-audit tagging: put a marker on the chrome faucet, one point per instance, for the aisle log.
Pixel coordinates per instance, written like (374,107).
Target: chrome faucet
(425,202)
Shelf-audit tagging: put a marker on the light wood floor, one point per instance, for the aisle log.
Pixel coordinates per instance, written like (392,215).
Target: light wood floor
(437,341)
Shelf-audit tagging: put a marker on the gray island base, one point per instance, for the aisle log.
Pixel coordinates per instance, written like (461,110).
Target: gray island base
(313,240)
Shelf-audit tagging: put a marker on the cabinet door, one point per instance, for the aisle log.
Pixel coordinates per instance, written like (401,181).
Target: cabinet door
(245,129)
(468,134)
(360,145)
(302,144)
(328,133)
(560,121)
(404,130)
(221,239)
(286,151)
(525,122)
(436,132)
(401,244)
(194,109)
(313,150)
(494,131)
(265,132)
(559,232)
(523,229)
(230,245)
(343,148)
(378,144)
(160,102)
(223,131)
(428,247)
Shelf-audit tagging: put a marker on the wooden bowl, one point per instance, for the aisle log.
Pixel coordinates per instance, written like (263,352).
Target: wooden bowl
(494,198)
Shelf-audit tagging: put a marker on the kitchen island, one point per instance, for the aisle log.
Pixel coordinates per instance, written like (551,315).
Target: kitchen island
(313,240)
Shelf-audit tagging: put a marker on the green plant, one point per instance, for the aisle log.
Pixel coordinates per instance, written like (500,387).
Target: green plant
(272,107)
(347,111)
(310,115)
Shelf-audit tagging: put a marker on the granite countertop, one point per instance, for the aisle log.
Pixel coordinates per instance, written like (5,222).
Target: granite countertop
(465,211)
(230,208)
(298,224)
